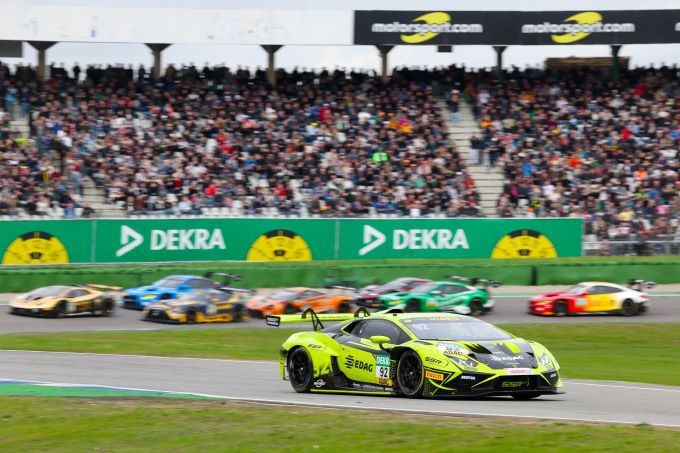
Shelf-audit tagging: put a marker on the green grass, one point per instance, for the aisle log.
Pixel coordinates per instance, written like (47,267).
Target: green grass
(627,352)
(83,425)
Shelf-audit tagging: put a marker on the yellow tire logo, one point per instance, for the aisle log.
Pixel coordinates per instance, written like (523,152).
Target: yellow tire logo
(524,244)
(279,245)
(587,18)
(36,247)
(437,18)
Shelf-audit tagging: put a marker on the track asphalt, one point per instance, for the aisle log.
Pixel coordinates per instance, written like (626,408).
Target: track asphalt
(509,309)
(592,401)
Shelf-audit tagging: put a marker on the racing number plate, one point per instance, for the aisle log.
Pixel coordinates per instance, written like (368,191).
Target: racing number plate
(382,370)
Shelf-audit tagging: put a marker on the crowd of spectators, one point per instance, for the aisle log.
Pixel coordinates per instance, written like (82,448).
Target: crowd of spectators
(575,143)
(327,143)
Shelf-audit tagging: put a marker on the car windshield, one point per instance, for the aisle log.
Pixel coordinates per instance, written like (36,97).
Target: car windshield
(169,282)
(194,297)
(447,329)
(576,289)
(284,294)
(48,291)
(424,288)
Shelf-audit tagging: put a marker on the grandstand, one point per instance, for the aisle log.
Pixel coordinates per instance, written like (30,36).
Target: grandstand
(584,138)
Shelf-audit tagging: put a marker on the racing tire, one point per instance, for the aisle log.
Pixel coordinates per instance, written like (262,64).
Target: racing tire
(289,310)
(191,317)
(628,308)
(60,309)
(412,306)
(109,307)
(525,396)
(560,308)
(476,307)
(410,375)
(300,370)
(343,307)
(164,297)
(238,313)
(97,311)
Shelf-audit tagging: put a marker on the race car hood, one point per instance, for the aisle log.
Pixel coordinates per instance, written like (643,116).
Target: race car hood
(29,302)
(260,301)
(146,290)
(516,353)
(548,296)
(168,305)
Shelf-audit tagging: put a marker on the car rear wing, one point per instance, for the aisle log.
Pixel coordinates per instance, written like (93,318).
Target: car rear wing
(95,286)
(231,289)
(227,278)
(309,315)
(474,281)
(640,285)
(344,288)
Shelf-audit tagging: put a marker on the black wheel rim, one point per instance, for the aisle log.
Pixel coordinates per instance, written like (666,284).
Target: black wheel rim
(628,308)
(475,309)
(410,374)
(191,318)
(412,307)
(298,368)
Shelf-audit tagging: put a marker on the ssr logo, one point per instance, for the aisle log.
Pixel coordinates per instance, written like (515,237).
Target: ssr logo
(351,362)
(279,245)
(433,360)
(36,247)
(524,244)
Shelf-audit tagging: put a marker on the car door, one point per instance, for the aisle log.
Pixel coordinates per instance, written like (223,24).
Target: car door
(599,299)
(78,300)
(224,309)
(451,293)
(364,361)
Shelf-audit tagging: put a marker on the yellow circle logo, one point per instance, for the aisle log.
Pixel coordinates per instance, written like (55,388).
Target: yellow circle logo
(524,244)
(279,245)
(36,247)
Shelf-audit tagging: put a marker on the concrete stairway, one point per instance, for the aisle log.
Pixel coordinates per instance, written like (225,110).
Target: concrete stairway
(489,181)
(21,126)
(96,199)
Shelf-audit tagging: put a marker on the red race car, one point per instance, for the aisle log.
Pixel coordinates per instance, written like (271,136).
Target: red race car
(593,297)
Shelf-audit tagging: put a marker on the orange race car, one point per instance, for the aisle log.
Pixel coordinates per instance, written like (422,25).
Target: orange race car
(295,300)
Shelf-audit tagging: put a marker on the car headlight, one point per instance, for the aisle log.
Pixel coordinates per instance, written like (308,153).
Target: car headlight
(545,360)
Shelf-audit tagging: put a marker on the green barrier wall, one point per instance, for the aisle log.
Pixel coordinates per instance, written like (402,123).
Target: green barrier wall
(210,239)
(317,274)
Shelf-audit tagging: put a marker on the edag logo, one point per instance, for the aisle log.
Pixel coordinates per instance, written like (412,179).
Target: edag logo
(414,239)
(171,239)
(425,27)
(577,27)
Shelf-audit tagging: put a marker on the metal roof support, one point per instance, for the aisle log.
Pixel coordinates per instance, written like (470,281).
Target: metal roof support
(384,50)
(499,61)
(271,50)
(616,64)
(41,47)
(157,50)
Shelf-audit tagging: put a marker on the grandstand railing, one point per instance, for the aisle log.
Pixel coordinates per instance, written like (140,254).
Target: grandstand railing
(632,248)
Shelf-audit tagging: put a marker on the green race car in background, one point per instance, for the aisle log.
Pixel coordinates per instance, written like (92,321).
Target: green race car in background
(455,295)
(413,355)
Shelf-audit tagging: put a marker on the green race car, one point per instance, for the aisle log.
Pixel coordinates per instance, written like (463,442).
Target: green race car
(454,295)
(414,355)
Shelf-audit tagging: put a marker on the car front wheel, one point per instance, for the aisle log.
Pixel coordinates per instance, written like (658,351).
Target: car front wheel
(628,308)
(300,370)
(410,375)
(560,308)
(476,307)
(412,306)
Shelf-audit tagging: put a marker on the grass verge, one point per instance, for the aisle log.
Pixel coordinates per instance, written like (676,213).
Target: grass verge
(626,352)
(65,425)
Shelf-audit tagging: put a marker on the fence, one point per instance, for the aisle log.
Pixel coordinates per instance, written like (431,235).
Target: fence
(283,239)
(640,247)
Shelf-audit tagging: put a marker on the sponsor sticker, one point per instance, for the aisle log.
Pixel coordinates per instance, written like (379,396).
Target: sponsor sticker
(452,349)
(382,370)
(319,383)
(210,310)
(433,375)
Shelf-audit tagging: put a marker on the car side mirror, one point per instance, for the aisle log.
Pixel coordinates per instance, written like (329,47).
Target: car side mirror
(379,339)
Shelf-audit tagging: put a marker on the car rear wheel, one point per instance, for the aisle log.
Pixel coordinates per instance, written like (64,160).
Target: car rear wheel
(628,308)
(343,307)
(476,307)
(60,309)
(412,306)
(97,308)
(109,305)
(560,308)
(525,396)
(410,375)
(300,370)
(191,317)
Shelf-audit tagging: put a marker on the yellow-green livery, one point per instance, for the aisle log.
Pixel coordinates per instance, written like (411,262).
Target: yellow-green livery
(414,355)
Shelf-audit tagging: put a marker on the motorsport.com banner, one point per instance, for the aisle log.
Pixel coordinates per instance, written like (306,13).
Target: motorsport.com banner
(516,27)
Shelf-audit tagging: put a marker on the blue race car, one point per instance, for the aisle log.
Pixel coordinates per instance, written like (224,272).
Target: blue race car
(168,288)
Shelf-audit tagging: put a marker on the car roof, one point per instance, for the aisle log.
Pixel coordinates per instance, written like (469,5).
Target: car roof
(184,277)
(448,282)
(406,316)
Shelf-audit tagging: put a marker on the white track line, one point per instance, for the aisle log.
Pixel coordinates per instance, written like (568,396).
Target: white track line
(623,386)
(357,407)
(270,362)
